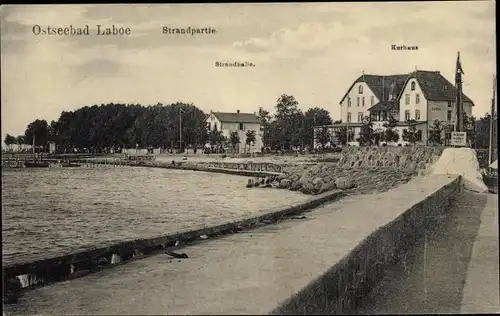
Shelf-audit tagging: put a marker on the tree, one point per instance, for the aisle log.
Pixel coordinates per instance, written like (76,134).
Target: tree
(411,134)
(314,117)
(38,129)
(435,133)
(250,138)
(482,132)
(9,141)
(289,121)
(366,136)
(390,134)
(265,121)
(323,136)
(215,137)
(343,135)
(234,139)
(20,141)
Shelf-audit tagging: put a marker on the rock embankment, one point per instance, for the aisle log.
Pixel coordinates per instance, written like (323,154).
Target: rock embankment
(326,177)
(361,169)
(411,157)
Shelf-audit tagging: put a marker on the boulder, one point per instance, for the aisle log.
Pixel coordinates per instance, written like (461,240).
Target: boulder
(295,186)
(250,183)
(285,183)
(328,186)
(275,184)
(317,181)
(344,183)
(317,184)
(307,188)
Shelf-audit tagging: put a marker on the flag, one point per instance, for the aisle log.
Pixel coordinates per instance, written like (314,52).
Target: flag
(460,71)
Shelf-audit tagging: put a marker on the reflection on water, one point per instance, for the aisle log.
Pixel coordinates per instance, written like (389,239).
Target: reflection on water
(49,210)
(431,276)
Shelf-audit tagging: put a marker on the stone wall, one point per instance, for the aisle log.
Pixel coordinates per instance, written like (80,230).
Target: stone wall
(411,157)
(269,167)
(252,170)
(342,288)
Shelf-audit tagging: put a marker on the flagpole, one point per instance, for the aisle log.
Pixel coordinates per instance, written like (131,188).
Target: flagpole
(492,115)
(459,105)
(180,130)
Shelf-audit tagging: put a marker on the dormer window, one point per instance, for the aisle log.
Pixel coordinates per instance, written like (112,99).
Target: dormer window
(360,89)
(413,86)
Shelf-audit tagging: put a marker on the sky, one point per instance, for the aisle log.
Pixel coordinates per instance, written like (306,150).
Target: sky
(313,51)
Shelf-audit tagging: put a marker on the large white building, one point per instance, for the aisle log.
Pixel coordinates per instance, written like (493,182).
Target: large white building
(423,96)
(240,123)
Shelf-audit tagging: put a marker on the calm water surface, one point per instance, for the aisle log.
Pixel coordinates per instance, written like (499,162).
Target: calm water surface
(49,210)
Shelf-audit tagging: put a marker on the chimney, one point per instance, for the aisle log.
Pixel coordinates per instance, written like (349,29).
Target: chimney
(237,111)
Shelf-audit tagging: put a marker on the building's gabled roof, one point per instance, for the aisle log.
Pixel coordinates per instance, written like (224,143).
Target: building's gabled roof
(381,85)
(384,86)
(236,117)
(384,106)
(435,86)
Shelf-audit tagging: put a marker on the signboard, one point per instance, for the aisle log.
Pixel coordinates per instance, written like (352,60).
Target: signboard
(458,139)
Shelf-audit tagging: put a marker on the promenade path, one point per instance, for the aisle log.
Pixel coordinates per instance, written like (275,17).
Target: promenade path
(454,269)
(252,272)
(482,288)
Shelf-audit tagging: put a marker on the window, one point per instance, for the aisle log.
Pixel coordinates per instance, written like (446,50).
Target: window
(348,116)
(241,126)
(360,116)
(417,98)
(417,115)
(449,104)
(448,115)
(407,115)
(372,100)
(360,89)
(407,99)
(349,102)
(413,86)
(358,102)
(363,101)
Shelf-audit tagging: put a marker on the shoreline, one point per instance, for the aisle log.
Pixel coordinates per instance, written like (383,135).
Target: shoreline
(134,249)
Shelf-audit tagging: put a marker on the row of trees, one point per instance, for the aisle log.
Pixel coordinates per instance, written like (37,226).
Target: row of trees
(127,126)
(118,125)
(477,132)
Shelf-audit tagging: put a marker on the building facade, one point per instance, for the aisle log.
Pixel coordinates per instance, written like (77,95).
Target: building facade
(422,96)
(240,123)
